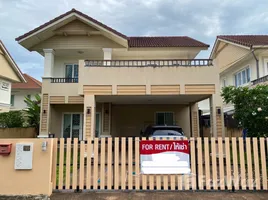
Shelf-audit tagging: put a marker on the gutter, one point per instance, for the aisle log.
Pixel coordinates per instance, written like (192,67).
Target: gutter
(257,64)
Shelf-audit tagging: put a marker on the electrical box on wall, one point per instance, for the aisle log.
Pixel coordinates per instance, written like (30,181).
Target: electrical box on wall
(24,156)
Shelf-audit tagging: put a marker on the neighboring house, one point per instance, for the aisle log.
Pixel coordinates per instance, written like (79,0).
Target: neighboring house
(9,73)
(20,90)
(99,82)
(242,59)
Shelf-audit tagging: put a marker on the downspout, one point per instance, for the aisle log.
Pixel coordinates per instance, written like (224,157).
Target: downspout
(257,64)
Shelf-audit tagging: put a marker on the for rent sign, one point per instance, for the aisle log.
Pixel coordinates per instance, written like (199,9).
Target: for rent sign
(165,157)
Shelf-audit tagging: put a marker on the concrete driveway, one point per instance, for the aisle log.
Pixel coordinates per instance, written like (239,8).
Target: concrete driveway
(161,195)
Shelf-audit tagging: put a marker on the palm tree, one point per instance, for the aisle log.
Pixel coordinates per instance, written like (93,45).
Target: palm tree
(33,111)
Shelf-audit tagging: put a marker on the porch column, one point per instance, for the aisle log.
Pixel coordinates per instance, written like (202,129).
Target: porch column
(216,116)
(49,63)
(195,120)
(107,55)
(89,117)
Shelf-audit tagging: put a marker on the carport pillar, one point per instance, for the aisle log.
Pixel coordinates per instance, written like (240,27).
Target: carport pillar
(89,117)
(195,120)
(216,116)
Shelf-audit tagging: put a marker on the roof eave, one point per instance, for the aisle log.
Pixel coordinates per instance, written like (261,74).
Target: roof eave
(66,16)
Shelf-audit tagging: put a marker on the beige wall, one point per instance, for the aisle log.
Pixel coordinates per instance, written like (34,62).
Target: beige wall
(229,54)
(6,70)
(147,76)
(76,42)
(229,74)
(56,114)
(59,89)
(128,120)
(25,182)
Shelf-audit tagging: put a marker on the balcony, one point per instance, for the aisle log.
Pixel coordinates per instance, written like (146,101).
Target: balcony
(260,80)
(143,76)
(64,80)
(149,63)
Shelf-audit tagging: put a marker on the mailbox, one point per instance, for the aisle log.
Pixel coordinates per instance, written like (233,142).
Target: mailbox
(5,149)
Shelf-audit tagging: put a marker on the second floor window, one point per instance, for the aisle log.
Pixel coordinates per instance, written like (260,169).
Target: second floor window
(242,77)
(71,71)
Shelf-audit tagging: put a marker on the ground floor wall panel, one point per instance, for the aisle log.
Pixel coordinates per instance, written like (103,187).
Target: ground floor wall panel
(129,120)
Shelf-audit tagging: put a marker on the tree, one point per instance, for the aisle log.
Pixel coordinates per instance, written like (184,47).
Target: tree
(251,108)
(11,119)
(33,111)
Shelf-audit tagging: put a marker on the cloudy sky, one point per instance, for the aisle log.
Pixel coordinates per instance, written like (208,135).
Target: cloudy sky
(200,19)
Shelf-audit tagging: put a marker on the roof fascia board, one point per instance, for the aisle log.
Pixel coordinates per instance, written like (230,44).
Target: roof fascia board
(79,17)
(101,28)
(214,48)
(239,45)
(46,27)
(259,46)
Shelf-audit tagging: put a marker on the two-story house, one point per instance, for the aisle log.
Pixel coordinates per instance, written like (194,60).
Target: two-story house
(9,73)
(100,82)
(242,59)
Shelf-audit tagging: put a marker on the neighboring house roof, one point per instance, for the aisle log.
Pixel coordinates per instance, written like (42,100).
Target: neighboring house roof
(13,64)
(31,83)
(177,41)
(168,41)
(246,40)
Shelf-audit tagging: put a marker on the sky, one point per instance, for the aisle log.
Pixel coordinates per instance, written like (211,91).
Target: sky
(200,19)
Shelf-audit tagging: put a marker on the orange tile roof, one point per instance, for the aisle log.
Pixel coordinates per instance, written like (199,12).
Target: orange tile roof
(246,40)
(31,83)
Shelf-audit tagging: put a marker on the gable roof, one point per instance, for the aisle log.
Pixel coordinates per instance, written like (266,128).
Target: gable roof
(66,14)
(31,83)
(176,41)
(13,64)
(246,40)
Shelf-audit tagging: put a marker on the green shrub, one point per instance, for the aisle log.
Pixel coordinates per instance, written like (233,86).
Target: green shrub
(11,119)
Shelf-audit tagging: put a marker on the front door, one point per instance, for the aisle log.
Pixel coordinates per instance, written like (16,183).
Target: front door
(73,126)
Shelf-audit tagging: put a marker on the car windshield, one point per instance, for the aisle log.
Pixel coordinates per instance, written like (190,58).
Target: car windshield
(166,133)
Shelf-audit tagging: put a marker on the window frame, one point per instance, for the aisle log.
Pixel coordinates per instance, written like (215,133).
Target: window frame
(12,103)
(240,74)
(265,61)
(164,112)
(73,65)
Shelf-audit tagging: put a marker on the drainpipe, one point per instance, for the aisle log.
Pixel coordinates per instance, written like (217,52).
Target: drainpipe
(257,64)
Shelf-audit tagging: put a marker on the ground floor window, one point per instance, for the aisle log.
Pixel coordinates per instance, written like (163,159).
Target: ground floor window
(164,118)
(73,125)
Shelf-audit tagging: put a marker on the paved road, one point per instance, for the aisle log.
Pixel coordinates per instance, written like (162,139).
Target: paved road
(161,196)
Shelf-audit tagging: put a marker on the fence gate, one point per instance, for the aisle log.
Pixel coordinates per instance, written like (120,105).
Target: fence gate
(114,164)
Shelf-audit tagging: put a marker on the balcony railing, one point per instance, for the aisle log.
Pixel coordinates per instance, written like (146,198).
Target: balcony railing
(260,80)
(149,63)
(64,80)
